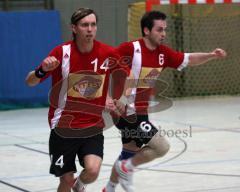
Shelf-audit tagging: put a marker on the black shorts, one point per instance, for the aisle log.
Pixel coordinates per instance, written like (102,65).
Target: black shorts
(63,151)
(136,128)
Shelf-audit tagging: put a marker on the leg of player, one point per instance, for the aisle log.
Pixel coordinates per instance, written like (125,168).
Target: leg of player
(112,183)
(92,164)
(125,175)
(62,165)
(128,151)
(157,147)
(66,182)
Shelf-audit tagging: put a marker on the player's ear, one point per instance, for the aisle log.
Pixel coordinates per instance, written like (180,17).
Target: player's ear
(146,31)
(74,28)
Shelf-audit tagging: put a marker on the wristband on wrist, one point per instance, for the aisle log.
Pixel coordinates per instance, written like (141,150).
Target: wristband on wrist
(40,73)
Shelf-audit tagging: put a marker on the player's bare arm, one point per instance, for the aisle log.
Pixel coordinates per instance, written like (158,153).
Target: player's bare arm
(49,64)
(201,58)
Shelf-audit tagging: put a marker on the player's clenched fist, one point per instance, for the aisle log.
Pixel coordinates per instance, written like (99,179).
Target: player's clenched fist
(50,63)
(219,53)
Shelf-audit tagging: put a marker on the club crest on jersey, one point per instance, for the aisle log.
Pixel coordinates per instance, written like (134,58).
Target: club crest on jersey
(151,77)
(87,86)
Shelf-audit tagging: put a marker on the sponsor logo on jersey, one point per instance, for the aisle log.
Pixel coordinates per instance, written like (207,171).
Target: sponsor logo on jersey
(151,77)
(87,86)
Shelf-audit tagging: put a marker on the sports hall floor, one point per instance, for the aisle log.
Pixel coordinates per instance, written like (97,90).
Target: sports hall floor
(205,157)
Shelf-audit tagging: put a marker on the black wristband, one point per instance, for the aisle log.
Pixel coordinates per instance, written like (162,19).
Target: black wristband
(40,73)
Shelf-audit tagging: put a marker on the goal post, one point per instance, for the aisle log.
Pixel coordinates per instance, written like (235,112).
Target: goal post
(150,3)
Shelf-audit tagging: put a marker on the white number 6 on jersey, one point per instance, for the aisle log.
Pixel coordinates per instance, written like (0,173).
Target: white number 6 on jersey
(161,59)
(146,127)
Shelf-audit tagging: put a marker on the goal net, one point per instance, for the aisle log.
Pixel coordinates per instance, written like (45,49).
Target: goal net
(198,27)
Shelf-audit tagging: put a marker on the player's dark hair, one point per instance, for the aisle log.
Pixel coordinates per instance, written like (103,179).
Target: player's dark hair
(148,18)
(81,13)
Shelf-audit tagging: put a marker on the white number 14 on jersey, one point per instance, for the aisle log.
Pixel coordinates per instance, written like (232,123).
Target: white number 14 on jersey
(104,65)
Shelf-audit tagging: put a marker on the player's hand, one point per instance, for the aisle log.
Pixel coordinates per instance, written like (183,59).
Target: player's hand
(109,105)
(50,63)
(120,107)
(219,53)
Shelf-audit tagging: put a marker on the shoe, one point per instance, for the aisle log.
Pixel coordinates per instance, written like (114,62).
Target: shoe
(110,187)
(125,175)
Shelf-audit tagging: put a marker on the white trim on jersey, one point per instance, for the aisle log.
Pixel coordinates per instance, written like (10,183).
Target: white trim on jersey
(185,62)
(136,70)
(63,92)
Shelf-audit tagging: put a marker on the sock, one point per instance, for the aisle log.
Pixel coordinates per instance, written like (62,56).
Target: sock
(78,184)
(129,164)
(111,186)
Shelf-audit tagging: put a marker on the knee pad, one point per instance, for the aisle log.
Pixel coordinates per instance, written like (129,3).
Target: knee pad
(126,154)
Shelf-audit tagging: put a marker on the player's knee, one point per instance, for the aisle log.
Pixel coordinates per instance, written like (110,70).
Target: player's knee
(160,145)
(92,173)
(67,179)
(163,149)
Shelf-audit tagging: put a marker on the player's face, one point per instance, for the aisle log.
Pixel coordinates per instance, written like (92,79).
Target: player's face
(86,28)
(158,32)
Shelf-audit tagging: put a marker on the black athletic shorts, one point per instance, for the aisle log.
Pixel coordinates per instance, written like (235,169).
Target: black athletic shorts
(136,128)
(63,151)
